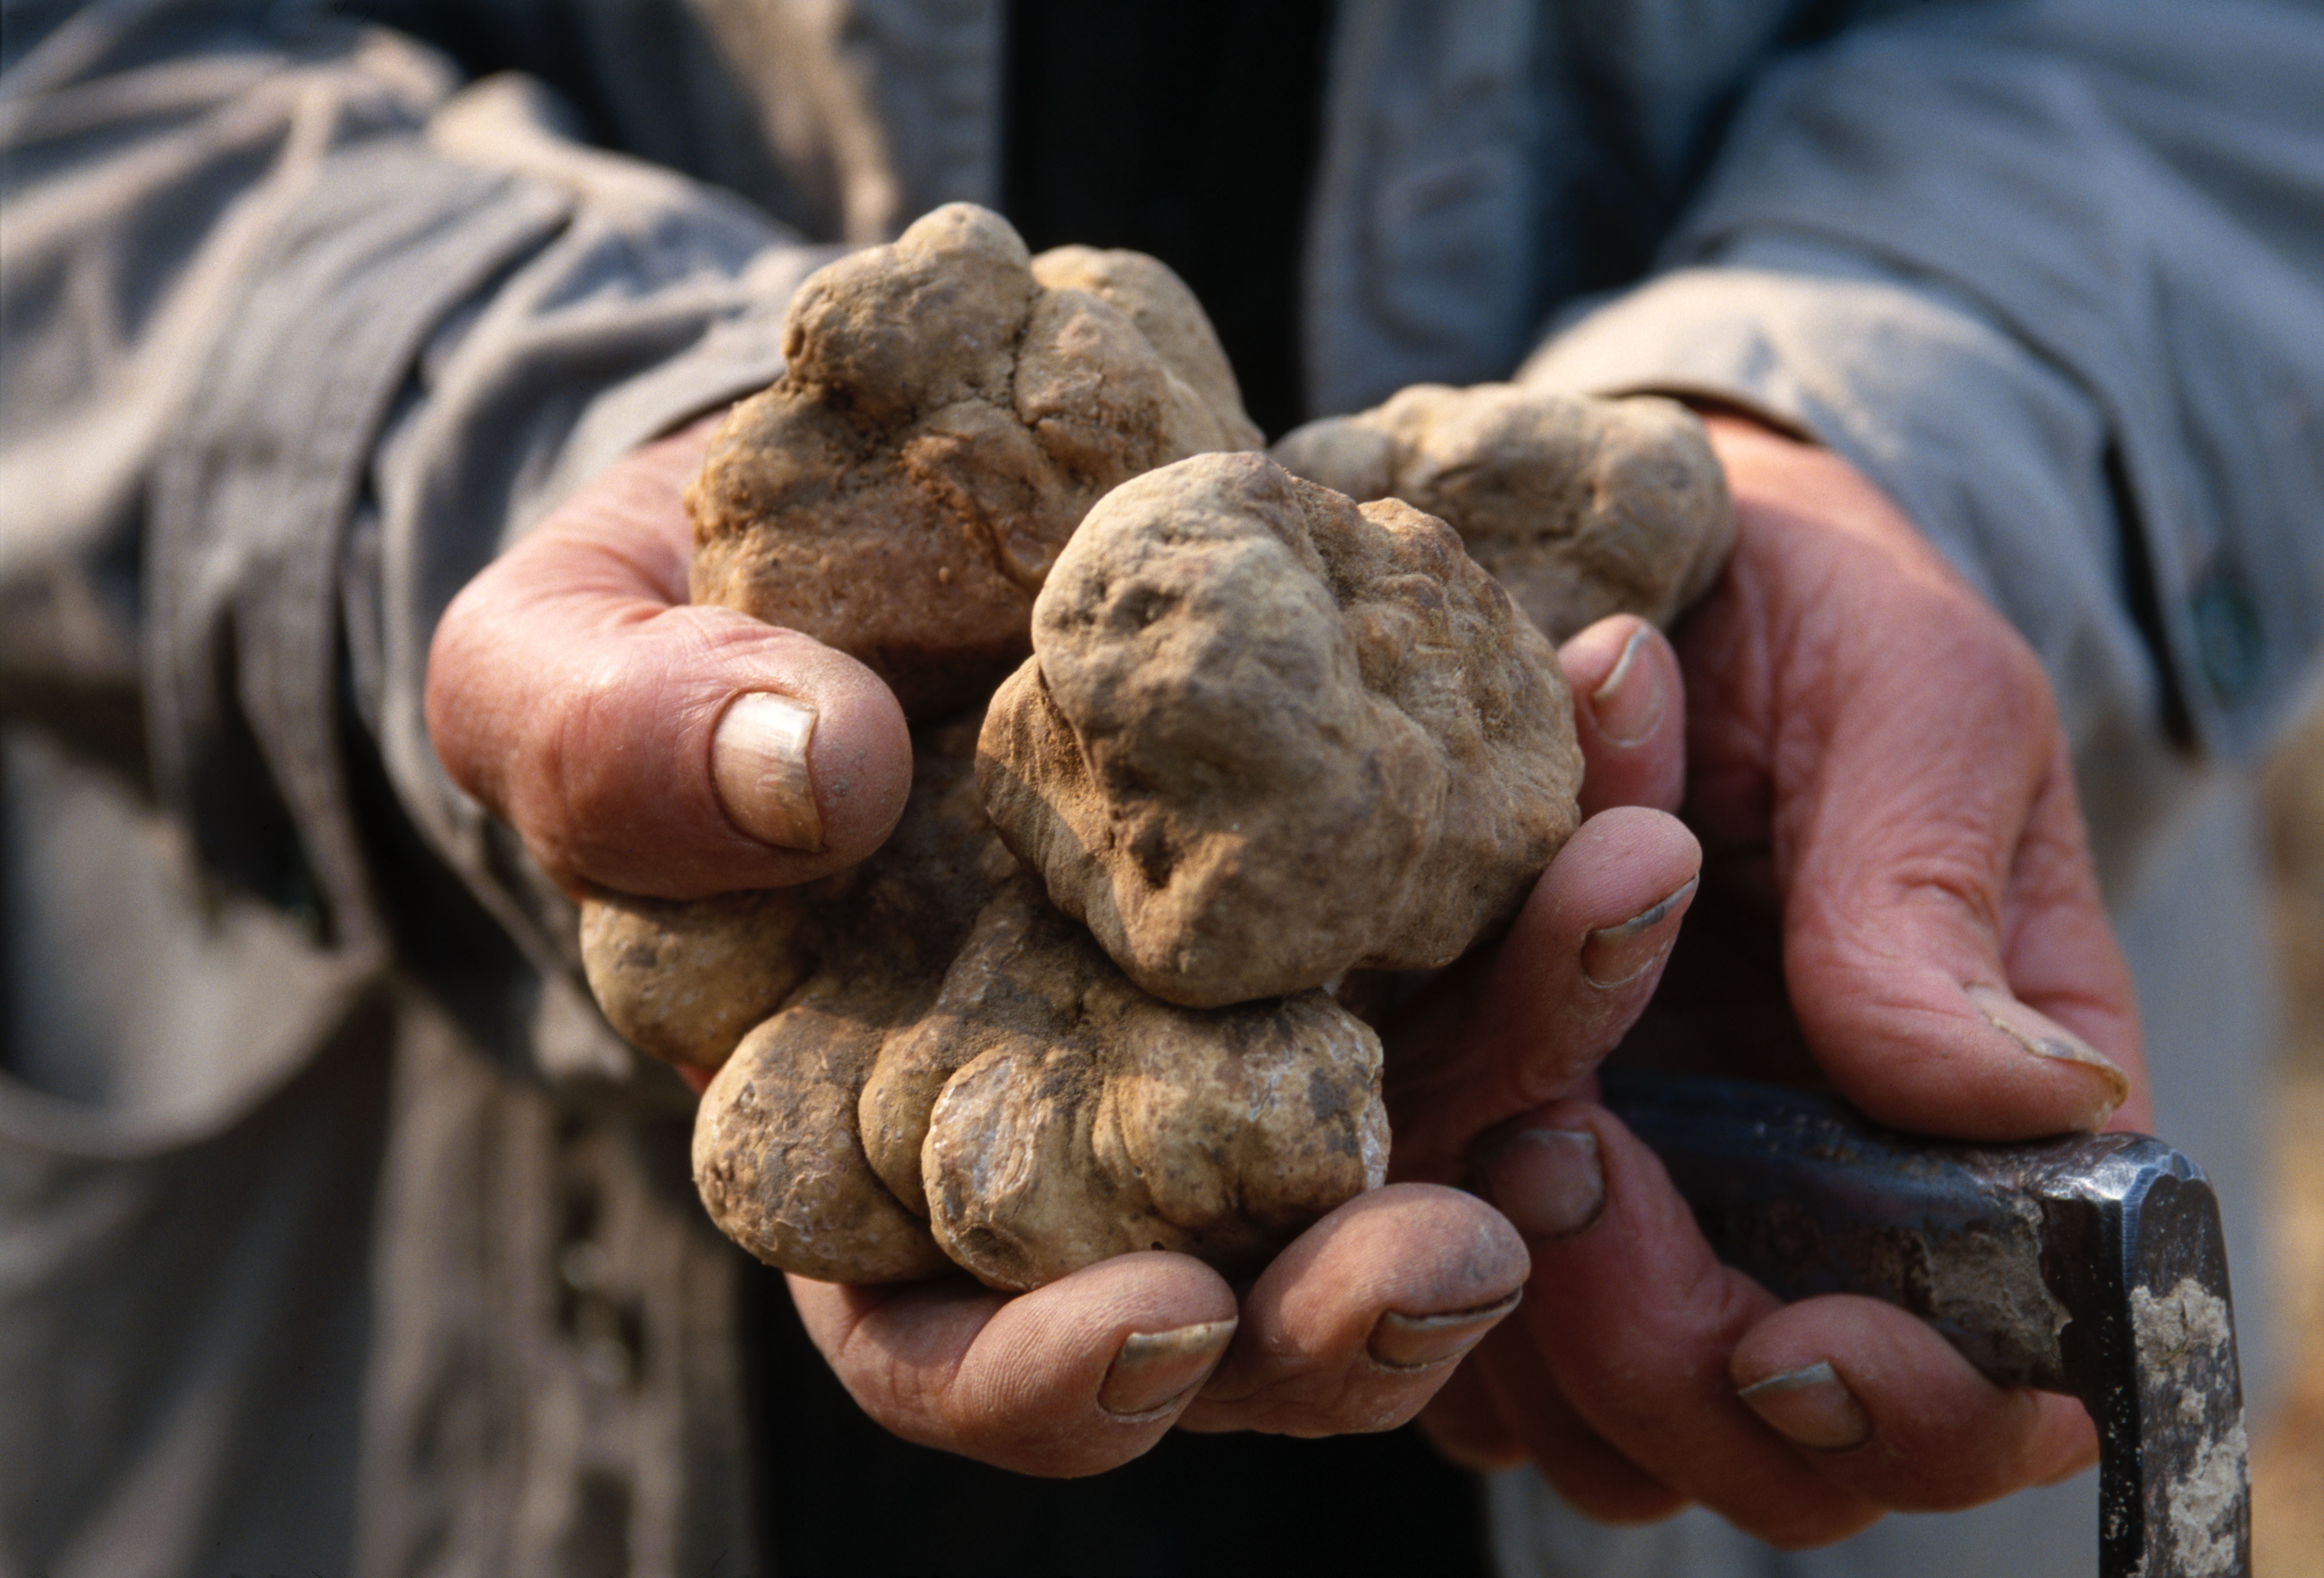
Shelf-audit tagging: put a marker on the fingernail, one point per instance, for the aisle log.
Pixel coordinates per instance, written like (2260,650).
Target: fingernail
(2045,1037)
(1812,1406)
(1409,1344)
(1614,956)
(1156,1369)
(758,759)
(1630,701)
(1547,1181)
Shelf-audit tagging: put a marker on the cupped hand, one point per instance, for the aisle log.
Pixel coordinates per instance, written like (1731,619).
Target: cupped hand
(1897,902)
(1875,766)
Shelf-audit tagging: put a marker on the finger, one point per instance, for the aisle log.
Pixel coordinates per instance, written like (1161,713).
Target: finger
(1886,1407)
(1579,1464)
(1923,832)
(1893,941)
(1508,1030)
(1634,1319)
(2058,953)
(1629,715)
(1461,1423)
(1356,1325)
(1071,1379)
(647,746)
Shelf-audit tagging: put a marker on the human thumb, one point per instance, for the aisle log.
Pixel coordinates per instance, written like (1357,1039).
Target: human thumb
(1945,947)
(645,745)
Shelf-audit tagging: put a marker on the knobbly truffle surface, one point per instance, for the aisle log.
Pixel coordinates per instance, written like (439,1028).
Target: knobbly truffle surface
(1090,1120)
(1267,735)
(950,409)
(964,1077)
(777,1157)
(685,979)
(1582,508)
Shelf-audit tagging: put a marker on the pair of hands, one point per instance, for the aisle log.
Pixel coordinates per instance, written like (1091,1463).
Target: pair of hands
(1889,847)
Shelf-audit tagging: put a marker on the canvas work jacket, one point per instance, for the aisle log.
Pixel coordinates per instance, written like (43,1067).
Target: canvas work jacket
(335,1228)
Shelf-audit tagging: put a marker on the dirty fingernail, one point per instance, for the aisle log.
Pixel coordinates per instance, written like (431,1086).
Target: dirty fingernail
(1547,1181)
(758,760)
(2045,1037)
(1155,1369)
(1812,1406)
(1630,701)
(1614,956)
(1408,1343)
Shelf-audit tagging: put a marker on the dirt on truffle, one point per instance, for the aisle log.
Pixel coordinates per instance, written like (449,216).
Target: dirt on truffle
(1267,737)
(959,1050)
(1087,1119)
(1582,508)
(776,1155)
(950,409)
(1259,740)
(685,979)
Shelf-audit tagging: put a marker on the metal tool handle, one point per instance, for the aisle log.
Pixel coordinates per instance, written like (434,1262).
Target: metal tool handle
(2092,1265)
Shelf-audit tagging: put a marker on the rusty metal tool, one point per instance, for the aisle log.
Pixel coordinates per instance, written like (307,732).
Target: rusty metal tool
(2091,1265)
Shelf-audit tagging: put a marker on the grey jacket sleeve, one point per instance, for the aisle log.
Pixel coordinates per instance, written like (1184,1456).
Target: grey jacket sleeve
(299,331)
(2052,274)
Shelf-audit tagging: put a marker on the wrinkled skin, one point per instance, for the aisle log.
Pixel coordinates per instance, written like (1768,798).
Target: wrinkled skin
(1582,508)
(950,409)
(1267,737)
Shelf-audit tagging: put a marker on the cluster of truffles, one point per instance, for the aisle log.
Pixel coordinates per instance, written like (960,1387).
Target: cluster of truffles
(1250,737)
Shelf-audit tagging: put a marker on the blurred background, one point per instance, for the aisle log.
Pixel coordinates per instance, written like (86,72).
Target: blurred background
(2288,1455)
